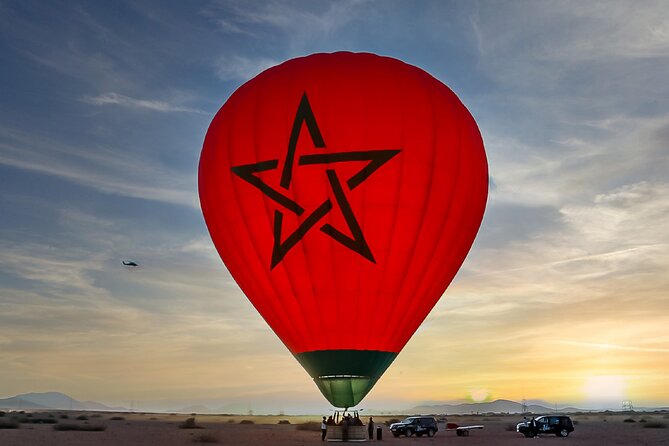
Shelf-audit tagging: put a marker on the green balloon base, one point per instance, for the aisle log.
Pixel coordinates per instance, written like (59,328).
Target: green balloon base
(344,377)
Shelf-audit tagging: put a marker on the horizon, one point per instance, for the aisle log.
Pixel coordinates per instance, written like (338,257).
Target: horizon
(563,296)
(213,406)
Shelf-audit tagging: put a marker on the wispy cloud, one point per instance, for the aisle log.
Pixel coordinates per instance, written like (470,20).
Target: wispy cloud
(102,169)
(125,101)
(241,67)
(600,346)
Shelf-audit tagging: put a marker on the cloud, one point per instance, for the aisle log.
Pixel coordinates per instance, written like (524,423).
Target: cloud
(105,170)
(298,27)
(125,101)
(241,68)
(613,347)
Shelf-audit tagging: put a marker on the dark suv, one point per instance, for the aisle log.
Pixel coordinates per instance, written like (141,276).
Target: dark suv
(415,425)
(559,425)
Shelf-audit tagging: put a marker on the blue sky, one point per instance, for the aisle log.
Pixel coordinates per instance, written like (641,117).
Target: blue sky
(104,109)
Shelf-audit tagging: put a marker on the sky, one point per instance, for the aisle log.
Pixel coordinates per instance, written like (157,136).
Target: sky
(104,107)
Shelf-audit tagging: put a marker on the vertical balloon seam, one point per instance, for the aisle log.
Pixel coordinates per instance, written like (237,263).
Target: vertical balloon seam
(317,305)
(426,305)
(437,288)
(471,224)
(385,258)
(263,267)
(402,322)
(403,337)
(361,300)
(360,77)
(274,306)
(300,248)
(383,335)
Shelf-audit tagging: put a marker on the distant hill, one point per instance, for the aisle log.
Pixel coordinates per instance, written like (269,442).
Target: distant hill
(497,406)
(195,409)
(52,400)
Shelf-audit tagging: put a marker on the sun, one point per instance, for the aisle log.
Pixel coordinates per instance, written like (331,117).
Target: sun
(479,395)
(605,388)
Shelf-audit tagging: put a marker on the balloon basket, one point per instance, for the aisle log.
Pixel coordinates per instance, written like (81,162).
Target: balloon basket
(346,426)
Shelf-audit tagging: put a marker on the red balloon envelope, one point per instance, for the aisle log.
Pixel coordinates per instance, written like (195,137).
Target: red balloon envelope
(343,192)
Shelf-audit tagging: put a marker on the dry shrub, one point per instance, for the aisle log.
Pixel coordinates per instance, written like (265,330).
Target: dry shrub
(117,418)
(283,422)
(312,426)
(80,427)
(629,420)
(82,417)
(247,422)
(205,437)
(655,425)
(189,424)
(9,424)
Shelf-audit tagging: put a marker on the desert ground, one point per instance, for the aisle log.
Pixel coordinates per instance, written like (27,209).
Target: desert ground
(130,429)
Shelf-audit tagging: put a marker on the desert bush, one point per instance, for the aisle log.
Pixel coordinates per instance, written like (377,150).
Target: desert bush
(643,420)
(82,417)
(96,415)
(313,426)
(283,422)
(189,424)
(205,437)
(117,418)
(9,424)
(629,420)
(655,425)
(247,422)
(79,427)
(231,421)
(25,420)
(64,416)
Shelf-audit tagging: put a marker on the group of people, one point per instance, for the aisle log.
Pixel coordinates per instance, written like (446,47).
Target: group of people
(345,422)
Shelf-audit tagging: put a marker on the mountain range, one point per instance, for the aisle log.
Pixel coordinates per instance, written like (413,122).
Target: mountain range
(57,400)
(52,400)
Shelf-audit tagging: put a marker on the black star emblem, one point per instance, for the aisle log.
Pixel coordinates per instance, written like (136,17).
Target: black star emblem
(376,158)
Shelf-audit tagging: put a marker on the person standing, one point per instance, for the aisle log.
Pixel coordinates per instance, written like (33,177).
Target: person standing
(370,428)
(324,429)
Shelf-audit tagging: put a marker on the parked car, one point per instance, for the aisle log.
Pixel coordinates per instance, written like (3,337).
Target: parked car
(415,425)
(560,425)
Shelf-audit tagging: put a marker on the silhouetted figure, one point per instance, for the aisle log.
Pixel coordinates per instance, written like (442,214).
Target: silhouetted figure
(534,429)
(324,429)
(346,422)
(370,428)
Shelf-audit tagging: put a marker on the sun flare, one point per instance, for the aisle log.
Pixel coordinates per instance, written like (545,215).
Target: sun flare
(604,388)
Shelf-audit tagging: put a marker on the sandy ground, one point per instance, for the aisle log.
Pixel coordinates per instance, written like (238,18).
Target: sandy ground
(161,429)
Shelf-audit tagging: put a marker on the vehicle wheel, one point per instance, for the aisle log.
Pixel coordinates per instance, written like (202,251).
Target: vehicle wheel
(430,433)
(408,432)
(562,433)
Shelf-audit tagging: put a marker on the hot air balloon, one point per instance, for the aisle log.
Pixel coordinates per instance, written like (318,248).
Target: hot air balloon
(343,192)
